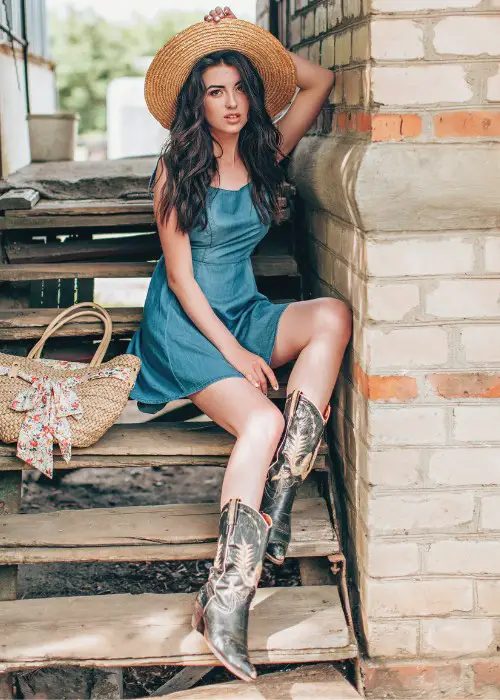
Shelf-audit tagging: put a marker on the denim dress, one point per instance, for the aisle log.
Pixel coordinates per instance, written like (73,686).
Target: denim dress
(177,358)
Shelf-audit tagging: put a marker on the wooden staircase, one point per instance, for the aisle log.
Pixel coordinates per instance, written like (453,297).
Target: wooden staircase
(289,625)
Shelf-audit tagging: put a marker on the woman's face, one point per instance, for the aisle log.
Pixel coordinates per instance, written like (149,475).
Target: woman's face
(224,96)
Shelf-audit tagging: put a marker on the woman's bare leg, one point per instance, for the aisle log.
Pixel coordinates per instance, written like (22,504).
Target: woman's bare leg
(245,412)
(315,334)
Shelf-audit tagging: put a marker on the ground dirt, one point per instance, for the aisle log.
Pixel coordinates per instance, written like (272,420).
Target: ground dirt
(99,488)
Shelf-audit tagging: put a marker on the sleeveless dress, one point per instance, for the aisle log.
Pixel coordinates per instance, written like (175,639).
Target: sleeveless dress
(177,358)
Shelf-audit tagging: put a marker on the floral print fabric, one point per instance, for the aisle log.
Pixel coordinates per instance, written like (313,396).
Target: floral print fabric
(48,404)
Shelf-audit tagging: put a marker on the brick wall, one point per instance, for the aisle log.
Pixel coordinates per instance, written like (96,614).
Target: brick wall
(400,186)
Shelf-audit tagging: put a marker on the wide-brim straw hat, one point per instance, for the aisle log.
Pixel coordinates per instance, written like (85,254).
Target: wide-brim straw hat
(173,63)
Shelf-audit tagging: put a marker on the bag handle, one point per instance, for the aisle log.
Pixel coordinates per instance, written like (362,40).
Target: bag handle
(67,316)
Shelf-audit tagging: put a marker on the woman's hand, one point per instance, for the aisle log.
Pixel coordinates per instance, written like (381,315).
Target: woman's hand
(218,14)
(255,369)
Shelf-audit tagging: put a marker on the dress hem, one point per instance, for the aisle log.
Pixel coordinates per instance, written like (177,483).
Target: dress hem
(185,395)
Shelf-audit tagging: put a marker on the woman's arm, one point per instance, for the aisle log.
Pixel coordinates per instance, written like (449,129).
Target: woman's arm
(314,83)
(176,248)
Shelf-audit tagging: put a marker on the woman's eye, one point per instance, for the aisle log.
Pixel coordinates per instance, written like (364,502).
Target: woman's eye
(213,93)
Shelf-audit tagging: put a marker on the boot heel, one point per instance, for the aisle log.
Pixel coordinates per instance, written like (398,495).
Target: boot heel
(197,621)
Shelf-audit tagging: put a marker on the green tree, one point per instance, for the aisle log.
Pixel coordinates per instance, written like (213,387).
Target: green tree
(90,52)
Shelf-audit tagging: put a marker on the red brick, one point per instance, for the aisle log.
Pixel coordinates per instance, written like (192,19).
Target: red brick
(351,121)
(377,388)
(467,124)
(411,125)
(363,122)
(395,127)
(466,385)
(342,121)
(410,681)
(487,673)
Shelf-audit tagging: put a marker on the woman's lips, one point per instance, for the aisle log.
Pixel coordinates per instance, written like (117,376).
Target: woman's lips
(233,119)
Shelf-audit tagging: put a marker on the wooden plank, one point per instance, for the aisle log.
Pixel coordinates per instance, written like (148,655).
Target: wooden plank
(183,680)
(287,625)
(9,222)
(146,533)
(141,247)
(314,682)
(21,200)
(150,444)
(180,439)
(94,207)
(264,266)
(77,207)
(24,324)
(10,503)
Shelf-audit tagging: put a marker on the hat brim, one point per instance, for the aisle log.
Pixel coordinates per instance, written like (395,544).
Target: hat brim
(173,63)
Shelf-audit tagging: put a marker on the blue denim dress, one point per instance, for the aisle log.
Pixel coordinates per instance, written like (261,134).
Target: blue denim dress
(177,358)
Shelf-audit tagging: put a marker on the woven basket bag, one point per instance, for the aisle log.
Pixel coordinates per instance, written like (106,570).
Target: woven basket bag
(43,401)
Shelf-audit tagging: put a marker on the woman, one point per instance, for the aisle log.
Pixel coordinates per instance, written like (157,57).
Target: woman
(207,334)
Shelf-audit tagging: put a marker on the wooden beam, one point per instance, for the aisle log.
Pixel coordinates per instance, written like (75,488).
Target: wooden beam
(264,266)
(141,247)
(87,207)
(147,533)
(295,624)
(315,681)
(18,200)
(183,680)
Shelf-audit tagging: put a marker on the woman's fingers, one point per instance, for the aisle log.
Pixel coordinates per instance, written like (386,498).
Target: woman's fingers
(252,378)
(261,377)
(217,14)
(270,375)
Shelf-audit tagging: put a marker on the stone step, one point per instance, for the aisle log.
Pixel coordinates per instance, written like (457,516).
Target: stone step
(315,682)
(149,445)
(145,533)
(287,625)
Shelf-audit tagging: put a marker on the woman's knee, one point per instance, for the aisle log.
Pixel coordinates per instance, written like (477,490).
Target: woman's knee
(264,423)
(334,317)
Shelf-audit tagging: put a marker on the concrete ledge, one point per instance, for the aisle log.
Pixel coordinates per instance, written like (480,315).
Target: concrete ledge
(401,186)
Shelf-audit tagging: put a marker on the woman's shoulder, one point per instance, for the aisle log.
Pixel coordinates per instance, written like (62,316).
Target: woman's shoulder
(159,171)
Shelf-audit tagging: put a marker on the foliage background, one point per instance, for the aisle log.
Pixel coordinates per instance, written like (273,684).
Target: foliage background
(90,51)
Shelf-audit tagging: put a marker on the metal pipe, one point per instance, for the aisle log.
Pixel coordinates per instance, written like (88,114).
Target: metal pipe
(11,35)
(24,31)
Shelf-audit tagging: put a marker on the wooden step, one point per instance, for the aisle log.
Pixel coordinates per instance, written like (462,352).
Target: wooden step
(149,445)
(287,625)
(264,266)
(145,533)
(89,213)
(314,682)
(24,324)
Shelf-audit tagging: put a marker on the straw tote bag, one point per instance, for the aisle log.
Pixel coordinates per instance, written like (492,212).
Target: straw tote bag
(43,401)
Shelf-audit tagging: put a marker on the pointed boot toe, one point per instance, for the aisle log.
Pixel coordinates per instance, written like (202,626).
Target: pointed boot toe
(242,668)
(276,552)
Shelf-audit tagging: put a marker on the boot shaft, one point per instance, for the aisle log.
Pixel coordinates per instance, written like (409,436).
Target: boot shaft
(237,567)
(296,453)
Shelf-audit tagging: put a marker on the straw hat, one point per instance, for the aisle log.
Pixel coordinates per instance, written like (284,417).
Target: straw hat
(173,63)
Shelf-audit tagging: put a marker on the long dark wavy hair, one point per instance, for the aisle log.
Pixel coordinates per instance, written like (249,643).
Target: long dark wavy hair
(189,154)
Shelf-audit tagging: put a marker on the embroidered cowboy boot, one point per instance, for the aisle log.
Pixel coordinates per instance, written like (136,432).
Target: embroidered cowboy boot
(293,461)
(221,606)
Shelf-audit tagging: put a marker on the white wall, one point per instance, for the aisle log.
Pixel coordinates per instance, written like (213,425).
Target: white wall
(132,130)
(14,142)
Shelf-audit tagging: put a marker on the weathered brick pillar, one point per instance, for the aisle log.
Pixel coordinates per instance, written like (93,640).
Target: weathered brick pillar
(401,194)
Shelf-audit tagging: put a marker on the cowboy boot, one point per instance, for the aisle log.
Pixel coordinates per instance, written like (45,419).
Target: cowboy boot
(221,606)
(293,461)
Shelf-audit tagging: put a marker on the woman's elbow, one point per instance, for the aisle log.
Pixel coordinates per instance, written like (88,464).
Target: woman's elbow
(177,282)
